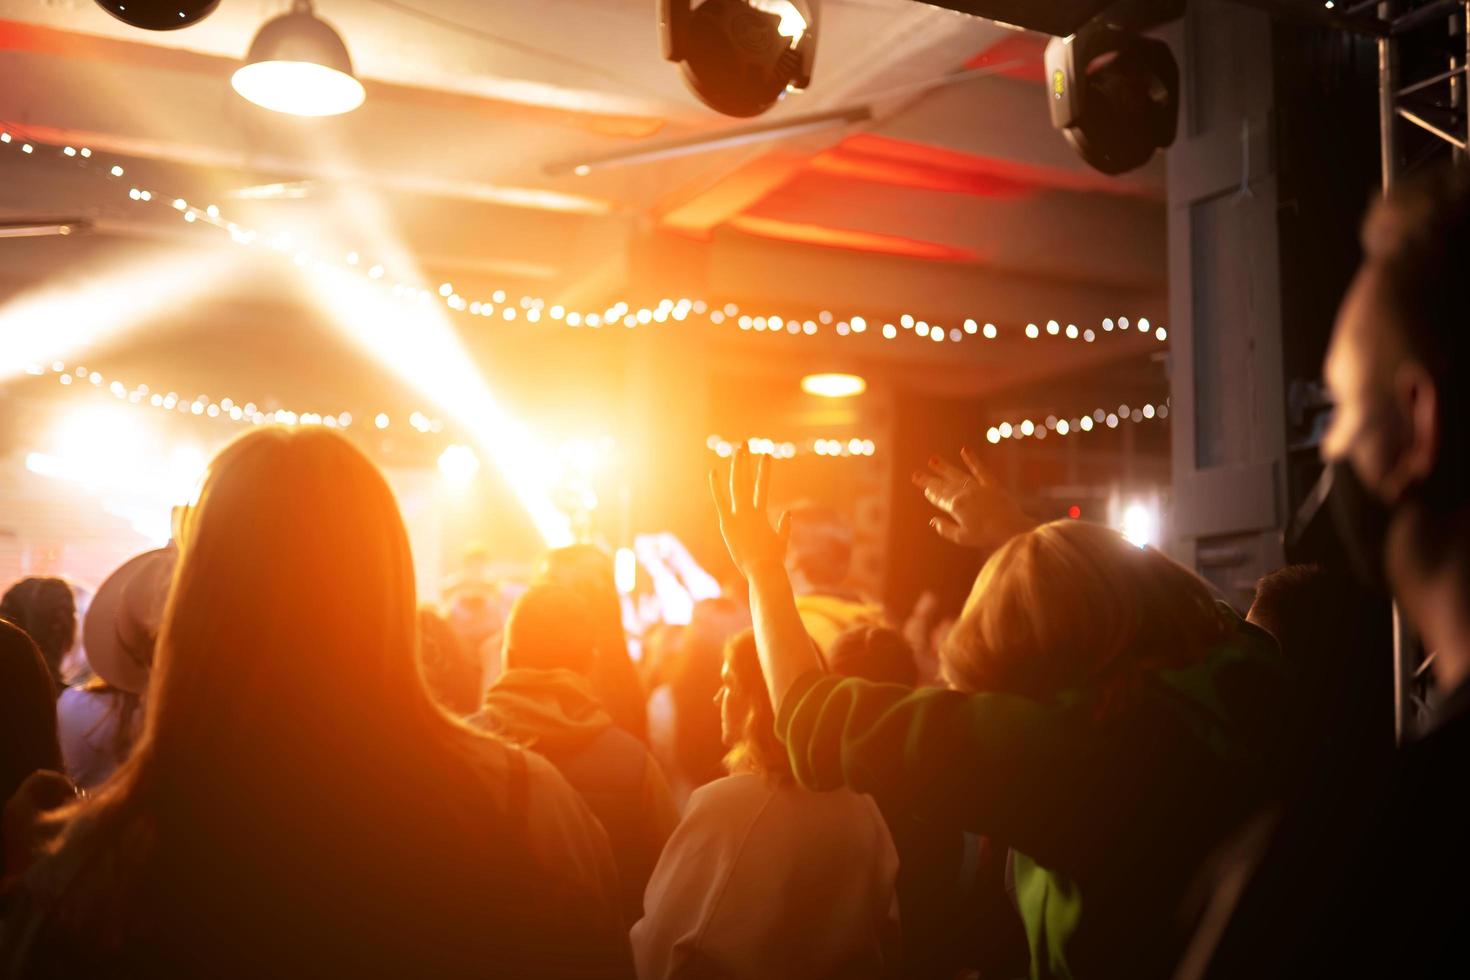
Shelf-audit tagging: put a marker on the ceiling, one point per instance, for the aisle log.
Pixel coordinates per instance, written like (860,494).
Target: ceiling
(954,200)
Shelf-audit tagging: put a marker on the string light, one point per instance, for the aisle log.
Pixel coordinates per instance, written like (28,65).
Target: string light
(225,409)
(1102,417)
(534,308)
(834,448)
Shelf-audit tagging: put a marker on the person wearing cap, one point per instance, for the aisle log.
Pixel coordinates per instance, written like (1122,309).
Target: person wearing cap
(99,721)
(544,701)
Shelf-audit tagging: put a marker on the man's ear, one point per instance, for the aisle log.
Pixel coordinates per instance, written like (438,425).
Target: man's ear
(1417,399)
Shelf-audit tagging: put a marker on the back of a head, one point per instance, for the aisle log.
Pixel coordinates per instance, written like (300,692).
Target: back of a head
(588,571)
(1418,239)
(27,711)
(820,548)
(1304,608)
(289,634)
(874,653)
(1073,605)
(45,608)
(755,748)
(549,629)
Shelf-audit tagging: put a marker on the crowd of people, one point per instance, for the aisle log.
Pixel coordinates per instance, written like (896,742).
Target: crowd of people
(252,753)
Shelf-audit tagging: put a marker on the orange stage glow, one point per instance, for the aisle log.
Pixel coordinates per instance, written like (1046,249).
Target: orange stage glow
(834,385)
(860,241)
(842,161)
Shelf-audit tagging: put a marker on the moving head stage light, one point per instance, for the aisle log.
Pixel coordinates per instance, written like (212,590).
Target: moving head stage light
(1114,95)
(741,56)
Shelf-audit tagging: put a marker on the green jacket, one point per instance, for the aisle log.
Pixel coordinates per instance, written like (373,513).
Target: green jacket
(1109,819)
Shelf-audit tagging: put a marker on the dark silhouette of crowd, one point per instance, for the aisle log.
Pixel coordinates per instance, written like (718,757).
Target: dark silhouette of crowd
(254,753)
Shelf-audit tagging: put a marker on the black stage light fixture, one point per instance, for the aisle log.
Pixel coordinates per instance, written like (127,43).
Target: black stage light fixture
(159,15)
(741,56)
(1114,94)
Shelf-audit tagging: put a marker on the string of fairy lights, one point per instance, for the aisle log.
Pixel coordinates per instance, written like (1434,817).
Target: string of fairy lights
(1101,418)
(777,449)
(535,309)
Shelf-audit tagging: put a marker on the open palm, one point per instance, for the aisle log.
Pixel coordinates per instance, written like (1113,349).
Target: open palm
(747,531)
(979,513)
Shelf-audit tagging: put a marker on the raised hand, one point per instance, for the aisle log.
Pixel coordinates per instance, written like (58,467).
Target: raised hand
(752,541)
(979,513)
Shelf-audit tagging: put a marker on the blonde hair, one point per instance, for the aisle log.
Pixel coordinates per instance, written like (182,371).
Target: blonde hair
(757,749)
(1072,605)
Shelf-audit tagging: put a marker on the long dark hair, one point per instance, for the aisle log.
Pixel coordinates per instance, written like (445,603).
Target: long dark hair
(27,711)
(295,791)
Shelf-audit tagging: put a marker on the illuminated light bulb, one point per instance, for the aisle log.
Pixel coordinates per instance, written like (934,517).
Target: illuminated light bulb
(990,331)
(498,296)
(117,171)
(135,194)
(855,447)
(646,315)
(69,151)
(794,328)
(213,212)
(190,217)
(834,385)
(146,195)
(1088,335)
(1027,427)
(1063,427)
(65,379)
(760,323)
(1148,411)
(509,313)
(27,148)
(842,328)
(4,137)
(745,321)
(825,316)
(1052,327)
(859,324)
(1122,323)
(236,414)
(1071,331)
(936,335)
(731,309)
(1143,324)
(1051,421)
(809,329)
(1032,332)
(1005,430)
(592,320)
(1112,421)
(212,411)
(717,317)
(922,329)
(117,389)
(907,321)
(376,272)
(156,400)
(1140,525)
(458,465)
(630,321)
(700,307)
(1040,433)
(776,323)
(1161,334)
(992,435)
(955,335)
(95,377)
(299,65)
(1085,423)
(971,326)
(1107,323)
(889,331)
